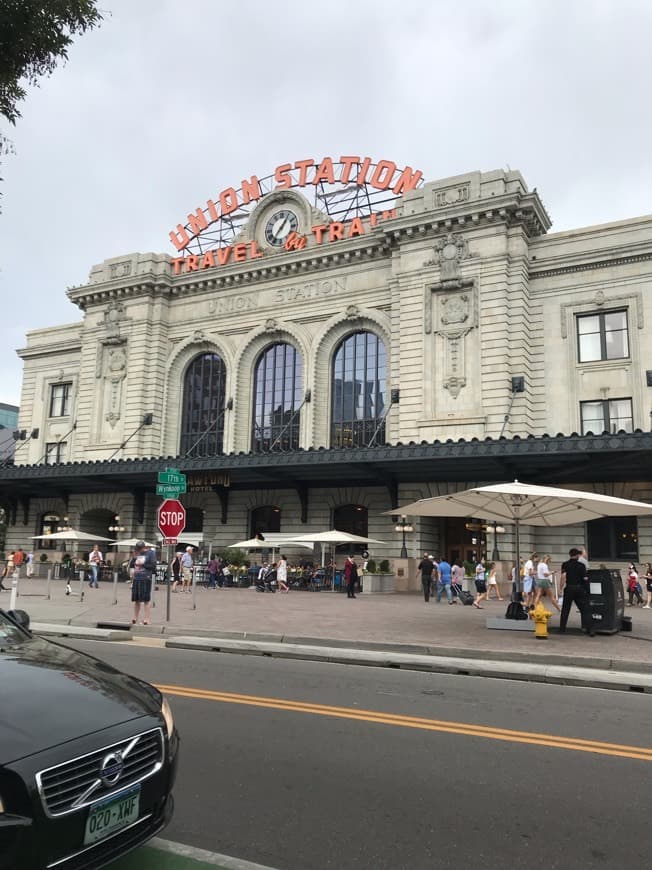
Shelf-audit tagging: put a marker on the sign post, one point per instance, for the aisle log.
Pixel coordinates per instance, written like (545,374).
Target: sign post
(171,518)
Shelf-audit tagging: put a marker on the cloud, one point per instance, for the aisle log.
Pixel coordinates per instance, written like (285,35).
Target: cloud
(164,105)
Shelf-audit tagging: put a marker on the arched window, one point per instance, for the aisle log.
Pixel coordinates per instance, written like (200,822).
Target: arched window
(352,518)
(277,399)
(358,391)
(202,414)
(264,519)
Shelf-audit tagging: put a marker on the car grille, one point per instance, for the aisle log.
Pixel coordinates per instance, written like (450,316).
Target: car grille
(77,783)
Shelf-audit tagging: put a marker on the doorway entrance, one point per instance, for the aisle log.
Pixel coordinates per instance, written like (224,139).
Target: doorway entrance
(464,539)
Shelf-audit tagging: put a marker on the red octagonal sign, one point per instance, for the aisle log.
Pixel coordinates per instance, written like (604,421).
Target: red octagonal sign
(171,518)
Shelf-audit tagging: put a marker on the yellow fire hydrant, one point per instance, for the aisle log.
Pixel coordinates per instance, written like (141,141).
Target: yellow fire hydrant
(540,616)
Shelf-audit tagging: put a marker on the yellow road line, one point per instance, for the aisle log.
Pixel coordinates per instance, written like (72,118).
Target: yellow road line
(378,717)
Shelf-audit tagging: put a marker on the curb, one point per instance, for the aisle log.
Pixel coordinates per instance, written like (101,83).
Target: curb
(126,631)
(443,664)
(202,855)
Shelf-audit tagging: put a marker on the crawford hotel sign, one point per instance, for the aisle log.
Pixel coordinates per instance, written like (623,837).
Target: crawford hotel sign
(351,196)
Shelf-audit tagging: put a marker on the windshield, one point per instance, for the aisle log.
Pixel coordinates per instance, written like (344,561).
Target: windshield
(9,632)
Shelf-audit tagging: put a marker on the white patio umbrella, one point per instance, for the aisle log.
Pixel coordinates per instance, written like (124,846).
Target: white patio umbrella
(71,535)
(273,541)
(130,542)
(333,536)
(524,503)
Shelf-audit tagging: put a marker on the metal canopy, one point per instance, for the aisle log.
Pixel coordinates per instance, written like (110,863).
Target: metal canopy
(546,459)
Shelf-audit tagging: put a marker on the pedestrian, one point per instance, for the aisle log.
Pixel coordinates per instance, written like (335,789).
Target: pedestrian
(445,580)
(457,578)
(648,586)
(186,570)
(543,583)
(480,584)
(95,560)
(427,567)
(141,589)
(350,576)
(282,574)
(29,565)
(583,558)
(633,586)
(213,567)
(529,577)
(19,558)
(492,583)
(574,587)
(175,570)
(7,571)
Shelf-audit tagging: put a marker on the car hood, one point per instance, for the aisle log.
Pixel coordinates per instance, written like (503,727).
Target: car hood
(50,694)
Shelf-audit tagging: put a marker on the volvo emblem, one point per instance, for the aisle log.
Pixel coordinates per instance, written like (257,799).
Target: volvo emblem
(111,768)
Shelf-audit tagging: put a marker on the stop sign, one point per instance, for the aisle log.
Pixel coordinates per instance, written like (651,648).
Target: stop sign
(171,518)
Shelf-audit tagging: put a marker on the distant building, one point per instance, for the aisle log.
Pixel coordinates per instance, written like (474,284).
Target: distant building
(8,424)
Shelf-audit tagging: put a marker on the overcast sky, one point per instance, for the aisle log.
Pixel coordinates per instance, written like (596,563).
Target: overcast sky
(170,102)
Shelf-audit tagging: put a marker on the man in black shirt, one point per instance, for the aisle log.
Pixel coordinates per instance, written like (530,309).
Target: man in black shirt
(426,566)
(575,588)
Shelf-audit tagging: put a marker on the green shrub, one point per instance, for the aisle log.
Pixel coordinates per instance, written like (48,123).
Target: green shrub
(384,567)
(371,567)
(43,557)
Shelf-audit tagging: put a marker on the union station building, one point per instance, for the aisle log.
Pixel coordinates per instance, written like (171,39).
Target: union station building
(336,340)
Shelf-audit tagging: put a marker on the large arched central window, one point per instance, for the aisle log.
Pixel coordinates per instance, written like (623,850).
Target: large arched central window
(202,415)
(277,399)
(358,391)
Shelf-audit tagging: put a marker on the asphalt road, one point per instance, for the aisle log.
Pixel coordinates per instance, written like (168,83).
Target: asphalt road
(308,788)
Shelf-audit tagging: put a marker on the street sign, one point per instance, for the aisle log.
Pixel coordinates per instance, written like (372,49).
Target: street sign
(174,477)
(171,518)
(169,490)
(170,541)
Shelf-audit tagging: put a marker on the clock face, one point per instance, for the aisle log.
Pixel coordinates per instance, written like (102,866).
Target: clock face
(279,227)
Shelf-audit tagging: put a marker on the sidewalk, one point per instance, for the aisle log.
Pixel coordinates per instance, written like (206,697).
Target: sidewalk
(331,619)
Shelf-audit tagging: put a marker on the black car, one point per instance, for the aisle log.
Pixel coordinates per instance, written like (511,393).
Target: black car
(88,756)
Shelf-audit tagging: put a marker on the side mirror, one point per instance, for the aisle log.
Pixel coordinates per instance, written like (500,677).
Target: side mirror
(21,617)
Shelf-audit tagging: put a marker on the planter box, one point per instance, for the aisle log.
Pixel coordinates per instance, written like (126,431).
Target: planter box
(377,584)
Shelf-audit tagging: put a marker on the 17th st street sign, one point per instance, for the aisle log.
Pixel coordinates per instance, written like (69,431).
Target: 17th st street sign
(171,483)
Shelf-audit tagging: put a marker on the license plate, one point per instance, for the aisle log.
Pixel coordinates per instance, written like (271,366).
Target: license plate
(111,815)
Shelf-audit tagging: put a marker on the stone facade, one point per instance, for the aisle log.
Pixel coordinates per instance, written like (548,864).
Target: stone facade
(465,287)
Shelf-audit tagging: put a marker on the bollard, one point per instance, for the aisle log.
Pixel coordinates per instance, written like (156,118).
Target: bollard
(81,585)
(194,603)
(115,587)
(14,591)
(48,583)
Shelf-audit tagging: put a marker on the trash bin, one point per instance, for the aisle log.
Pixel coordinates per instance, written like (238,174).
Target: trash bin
(607,600)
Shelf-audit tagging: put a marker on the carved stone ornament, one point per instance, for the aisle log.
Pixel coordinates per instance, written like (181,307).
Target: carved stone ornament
(113,315)
(454,384)
(600,298)
(112,418)
(271,325)
(456,309)
(199,335)
(352,311)
(449,250)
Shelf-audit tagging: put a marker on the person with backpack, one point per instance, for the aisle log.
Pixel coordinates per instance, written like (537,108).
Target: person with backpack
(427,567)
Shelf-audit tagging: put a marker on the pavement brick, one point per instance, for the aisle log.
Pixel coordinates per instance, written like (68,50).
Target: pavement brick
(329,618)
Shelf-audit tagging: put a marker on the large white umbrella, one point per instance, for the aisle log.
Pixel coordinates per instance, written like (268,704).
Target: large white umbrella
(71,535)
(333,536)
(525,503)
(273,541)
(131,542)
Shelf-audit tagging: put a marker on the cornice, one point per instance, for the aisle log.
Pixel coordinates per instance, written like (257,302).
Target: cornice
(592,264)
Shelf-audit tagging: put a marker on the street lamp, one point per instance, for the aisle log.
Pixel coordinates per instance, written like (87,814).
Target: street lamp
(405,528)
(116,527)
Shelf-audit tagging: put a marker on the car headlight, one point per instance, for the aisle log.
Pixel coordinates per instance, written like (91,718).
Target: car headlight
(169,718)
